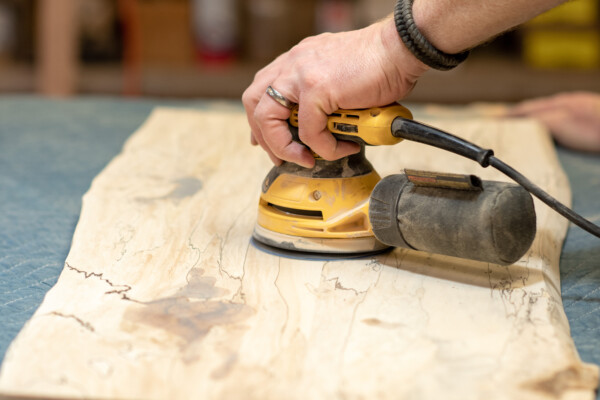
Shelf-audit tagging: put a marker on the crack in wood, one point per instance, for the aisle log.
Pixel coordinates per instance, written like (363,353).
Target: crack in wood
(354,312)
(287,306)
(87,275)
(81,322)
(339,286)
(240,292)
(224,241)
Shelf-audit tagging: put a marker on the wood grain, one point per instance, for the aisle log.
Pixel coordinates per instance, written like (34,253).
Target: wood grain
(163,296)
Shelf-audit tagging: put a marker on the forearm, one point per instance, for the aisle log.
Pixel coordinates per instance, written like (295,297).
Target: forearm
(456,25)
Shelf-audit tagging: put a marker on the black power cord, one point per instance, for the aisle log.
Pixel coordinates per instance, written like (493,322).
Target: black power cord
(422,133)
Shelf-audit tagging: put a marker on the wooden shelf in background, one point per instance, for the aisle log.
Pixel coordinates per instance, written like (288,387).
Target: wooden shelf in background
(228,81)
(17,77)
(500,79)
(170,81)
(479,79)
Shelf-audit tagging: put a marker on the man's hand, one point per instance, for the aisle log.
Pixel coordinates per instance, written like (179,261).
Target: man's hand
(357,69)
(572,118)
(365,68)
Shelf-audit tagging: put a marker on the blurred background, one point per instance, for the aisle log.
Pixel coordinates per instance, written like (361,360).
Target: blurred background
(213,48)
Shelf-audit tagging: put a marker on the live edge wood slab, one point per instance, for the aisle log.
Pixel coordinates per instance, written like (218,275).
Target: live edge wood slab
(163,296)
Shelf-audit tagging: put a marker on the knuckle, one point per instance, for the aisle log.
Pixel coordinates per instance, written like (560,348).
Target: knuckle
(259,74)
(259,114)
(247,97)
(313,78)
(305,136)
(311,81)
(297,50)
(306,42)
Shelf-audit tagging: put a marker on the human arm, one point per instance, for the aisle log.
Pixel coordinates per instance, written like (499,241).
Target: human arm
(364,68)
(455,25)
(573,119)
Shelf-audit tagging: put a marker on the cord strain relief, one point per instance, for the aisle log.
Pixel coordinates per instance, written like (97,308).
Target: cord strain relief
(483,158)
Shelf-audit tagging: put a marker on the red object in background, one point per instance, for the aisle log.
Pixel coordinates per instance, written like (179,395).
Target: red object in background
(208,56)
(132,47)
(215,25)
(334,16)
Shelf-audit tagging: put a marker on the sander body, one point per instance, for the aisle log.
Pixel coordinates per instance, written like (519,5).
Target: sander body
(344,208)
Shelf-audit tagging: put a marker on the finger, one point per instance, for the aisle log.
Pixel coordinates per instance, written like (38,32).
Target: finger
(312,129)
(255,92)
(280,142)
(251,98)
(256,136)
(271,118)
(330,148)
(570,132)
(276,160)
(529,107)
(543,104)
(555,121)
(260,140)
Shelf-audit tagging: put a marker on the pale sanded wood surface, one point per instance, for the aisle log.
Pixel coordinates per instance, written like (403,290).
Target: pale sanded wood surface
(162,296)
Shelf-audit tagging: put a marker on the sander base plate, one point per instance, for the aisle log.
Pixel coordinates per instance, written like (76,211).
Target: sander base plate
(315,248)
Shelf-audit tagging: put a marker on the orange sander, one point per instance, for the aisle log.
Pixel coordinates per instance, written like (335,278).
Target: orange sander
(343,208)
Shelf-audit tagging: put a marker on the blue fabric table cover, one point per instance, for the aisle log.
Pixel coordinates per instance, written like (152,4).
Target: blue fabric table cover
(50,150)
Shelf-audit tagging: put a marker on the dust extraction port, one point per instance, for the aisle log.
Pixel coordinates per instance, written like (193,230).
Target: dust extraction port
(298,212)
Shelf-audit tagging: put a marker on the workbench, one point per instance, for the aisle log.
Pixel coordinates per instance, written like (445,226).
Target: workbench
(50,150)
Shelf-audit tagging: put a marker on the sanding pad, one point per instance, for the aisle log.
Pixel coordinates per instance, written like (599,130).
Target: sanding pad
(312,256)
(315,248)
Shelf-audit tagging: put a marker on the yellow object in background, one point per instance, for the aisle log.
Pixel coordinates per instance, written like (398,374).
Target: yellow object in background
(573,13)
(567,36)
(562,48)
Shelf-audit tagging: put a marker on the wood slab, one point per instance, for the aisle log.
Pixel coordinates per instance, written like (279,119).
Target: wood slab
(163,296)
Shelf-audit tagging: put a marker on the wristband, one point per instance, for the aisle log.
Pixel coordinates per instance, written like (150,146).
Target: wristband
(418,44)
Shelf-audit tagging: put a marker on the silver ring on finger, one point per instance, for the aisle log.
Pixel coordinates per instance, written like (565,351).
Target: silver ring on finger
(278,97)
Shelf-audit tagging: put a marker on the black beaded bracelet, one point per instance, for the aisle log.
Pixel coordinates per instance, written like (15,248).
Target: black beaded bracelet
(418,44)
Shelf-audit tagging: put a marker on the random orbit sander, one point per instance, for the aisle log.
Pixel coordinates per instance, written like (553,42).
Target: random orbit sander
(343,208)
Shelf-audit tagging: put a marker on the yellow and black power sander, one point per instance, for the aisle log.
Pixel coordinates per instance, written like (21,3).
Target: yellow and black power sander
(343,208)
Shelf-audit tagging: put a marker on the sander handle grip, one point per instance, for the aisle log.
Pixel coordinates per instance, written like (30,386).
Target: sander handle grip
(338,136)
(365,126)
